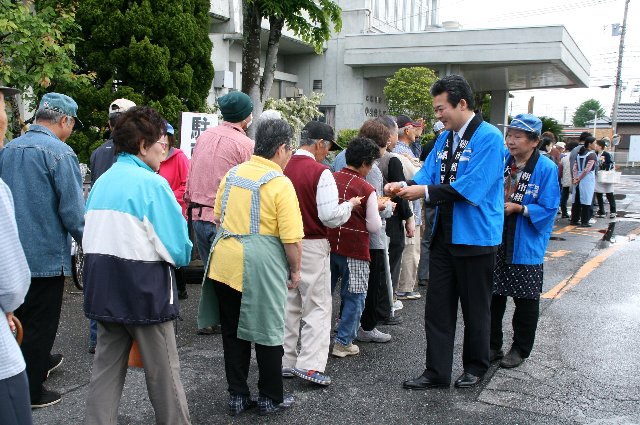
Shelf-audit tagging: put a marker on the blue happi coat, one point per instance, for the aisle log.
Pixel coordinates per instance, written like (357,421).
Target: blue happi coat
(541,198)
(479,218)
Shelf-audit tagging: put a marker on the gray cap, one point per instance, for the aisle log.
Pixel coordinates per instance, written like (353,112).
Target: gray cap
(9,91)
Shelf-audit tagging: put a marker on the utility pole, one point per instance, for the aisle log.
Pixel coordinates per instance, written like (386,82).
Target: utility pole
(616,100)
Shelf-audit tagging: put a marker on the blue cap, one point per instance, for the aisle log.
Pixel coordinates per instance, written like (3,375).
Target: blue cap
(526,122)
(61,103)
(170,129)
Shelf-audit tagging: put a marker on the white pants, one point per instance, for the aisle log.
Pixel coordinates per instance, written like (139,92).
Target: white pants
(310,303)
(410,261)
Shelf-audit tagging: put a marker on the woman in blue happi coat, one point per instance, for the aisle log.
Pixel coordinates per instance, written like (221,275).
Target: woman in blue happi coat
(531,198)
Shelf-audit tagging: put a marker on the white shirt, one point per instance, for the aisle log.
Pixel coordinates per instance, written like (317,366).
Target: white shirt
(330,213)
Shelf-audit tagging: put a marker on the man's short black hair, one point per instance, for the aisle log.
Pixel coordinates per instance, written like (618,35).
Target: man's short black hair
(457,89)
(584,135)
(361,151)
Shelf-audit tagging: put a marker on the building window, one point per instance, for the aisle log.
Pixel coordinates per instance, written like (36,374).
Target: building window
(317,85)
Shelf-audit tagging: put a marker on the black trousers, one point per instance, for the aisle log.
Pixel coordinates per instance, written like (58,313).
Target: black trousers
(469,280)
(525,323)
(580,212)
(564,197)
(377,285)
(610,198)
(40,315)
(237,352)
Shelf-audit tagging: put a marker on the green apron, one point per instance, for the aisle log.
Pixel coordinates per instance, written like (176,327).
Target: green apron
(266,270)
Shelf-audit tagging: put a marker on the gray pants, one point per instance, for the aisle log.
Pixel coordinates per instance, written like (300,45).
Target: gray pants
(15,404)
(423,265)
(157,344)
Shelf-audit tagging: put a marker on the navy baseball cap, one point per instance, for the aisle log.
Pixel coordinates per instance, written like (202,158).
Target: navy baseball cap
(526,122)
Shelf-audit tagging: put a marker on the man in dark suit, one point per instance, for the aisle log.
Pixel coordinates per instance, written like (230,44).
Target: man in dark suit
(463,177)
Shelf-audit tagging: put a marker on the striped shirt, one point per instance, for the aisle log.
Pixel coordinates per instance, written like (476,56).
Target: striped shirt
(15,278)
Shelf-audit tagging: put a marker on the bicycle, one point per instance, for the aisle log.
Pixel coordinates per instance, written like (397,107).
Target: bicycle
(77,264)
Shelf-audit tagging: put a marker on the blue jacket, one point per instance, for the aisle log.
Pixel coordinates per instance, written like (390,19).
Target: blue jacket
(541,198)
(134,237)
(44,177)
(479,218)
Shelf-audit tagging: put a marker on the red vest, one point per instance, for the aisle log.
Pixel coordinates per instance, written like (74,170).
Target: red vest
(305,173)
(352,238)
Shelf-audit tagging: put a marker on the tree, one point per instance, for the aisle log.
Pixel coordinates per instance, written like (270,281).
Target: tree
(552,125)
(309,19)
(583,114)
(36,48)
(297,112)
(154,52)
(408,93)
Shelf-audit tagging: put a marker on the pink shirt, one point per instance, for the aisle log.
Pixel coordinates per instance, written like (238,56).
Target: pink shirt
(217,150)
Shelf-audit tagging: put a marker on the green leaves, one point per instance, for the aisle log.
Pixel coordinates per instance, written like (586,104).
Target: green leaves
(584,112)
(297,112)
(407,93)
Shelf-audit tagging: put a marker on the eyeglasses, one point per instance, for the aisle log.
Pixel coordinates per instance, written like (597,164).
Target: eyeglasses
(164,145)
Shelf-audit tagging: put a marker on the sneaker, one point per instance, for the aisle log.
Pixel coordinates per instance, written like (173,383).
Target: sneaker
(47,398)
(287,372)
(341,351)
(268,406)
(397,305)
(391,321)
(209,330)
(55,360)
(414,295)
(238,403)
(592,221)
(373,335)
(600,215)
(613,215)
(586,225)
(312,376)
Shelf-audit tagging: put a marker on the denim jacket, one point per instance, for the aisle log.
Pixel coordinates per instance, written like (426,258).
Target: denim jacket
(44,177)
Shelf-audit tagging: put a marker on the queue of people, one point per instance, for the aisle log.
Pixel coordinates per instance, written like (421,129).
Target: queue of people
(469,215)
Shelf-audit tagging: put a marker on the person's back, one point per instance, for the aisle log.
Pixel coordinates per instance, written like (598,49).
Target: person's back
(44,176)
(101,160)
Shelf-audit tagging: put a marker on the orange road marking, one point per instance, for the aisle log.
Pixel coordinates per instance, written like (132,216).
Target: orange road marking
(558,253)
(564,229)
(567,284)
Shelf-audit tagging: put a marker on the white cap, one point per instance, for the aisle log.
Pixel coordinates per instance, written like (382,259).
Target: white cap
(119,106)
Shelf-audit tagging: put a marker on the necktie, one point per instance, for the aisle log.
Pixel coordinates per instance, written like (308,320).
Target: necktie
(456,142)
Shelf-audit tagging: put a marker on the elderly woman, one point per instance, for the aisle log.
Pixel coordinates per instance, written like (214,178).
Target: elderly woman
(605,163)
(531,198)
(256,256)
(584,180)
(135,236)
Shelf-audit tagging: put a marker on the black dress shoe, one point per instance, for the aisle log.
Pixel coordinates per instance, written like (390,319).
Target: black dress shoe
(495,355)
(422,383)
(467,380)
(512,359)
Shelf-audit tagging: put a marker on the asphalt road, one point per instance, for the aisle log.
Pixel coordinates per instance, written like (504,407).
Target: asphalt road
(583,368)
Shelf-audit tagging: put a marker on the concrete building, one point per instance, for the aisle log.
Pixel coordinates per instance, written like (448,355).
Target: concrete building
(379,37)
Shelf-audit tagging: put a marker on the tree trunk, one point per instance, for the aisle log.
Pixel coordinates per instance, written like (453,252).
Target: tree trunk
(16,128)
(251,53)
(275,32)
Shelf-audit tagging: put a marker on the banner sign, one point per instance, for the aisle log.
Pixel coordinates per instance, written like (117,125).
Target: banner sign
(193,125)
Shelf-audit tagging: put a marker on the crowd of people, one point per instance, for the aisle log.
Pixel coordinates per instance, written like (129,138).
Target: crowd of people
(279,227)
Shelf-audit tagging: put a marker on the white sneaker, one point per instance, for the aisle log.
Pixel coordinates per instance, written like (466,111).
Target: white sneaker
(592,221)
(373,335)
(397,305)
